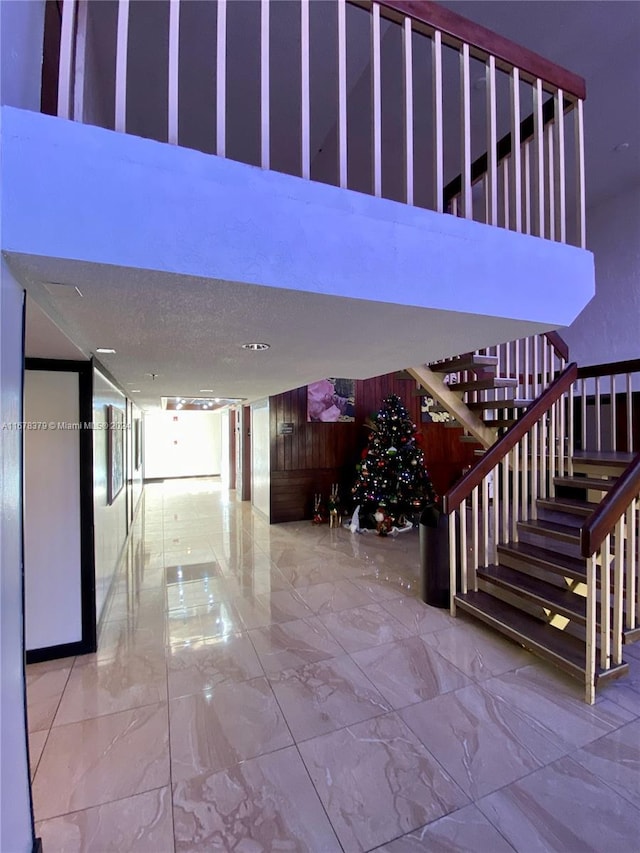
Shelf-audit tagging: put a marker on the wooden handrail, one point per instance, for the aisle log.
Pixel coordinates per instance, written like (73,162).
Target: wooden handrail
(613,368)
(559,344)
(603,519)
(499,450)
(480,39)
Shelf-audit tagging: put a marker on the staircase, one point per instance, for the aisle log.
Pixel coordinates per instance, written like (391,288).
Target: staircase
(484,392)
(549,555)
(539,581)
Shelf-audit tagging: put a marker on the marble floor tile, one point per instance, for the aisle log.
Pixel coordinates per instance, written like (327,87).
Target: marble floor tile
(247,582)
(190,624)
(121,638)
(377,782)
(464,831)
(625,691)
(480,740)
(292,644)
(108,686)
(557,706)
(271,608)
(142,823)
(37,741)
(264,804)
(418,617)
(217,728)
(120,755)
(311,572)
(199,593)
(363,627)
(205,664)
(477,652)
(632,650)
(334,596)
(615,758)
(195,572)
(563,807)
(45,684)
(324,696)
(377,588)
(409,671)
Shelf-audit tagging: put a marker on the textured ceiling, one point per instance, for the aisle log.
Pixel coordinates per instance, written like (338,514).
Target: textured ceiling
(189,331)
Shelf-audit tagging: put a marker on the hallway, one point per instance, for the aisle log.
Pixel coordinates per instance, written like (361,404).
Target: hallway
(283,688)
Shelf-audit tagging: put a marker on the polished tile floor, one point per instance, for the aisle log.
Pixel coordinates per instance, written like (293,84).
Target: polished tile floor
(283,688)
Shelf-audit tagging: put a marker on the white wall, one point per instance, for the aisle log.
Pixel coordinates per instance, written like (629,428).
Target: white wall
(225,470)
(16,826)
(110,522)
(21,39)
(181,444)
(260,457)
(53,580)
(172,209)
(21,35)
(608,329)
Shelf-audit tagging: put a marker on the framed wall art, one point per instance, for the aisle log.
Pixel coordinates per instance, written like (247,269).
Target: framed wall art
(115,452)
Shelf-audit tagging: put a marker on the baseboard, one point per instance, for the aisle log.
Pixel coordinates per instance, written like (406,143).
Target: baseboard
(180,477)
(63,650)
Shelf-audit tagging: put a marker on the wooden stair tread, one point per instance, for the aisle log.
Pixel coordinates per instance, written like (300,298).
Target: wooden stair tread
(551,529)
(568,505)
(499,404)
(611,458)
(500,422)
(465,362)
(542,558)
(557,646)
(593,483)
(484,384)
(546,595)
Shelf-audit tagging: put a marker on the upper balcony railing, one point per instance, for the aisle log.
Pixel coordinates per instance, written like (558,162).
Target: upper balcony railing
(401,99)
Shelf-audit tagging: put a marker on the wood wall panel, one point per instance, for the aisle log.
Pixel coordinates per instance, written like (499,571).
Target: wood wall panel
(316,455)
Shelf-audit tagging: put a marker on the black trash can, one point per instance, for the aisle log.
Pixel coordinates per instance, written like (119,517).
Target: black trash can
(434,557)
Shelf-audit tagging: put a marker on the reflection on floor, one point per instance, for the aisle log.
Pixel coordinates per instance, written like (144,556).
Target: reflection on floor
(282,688)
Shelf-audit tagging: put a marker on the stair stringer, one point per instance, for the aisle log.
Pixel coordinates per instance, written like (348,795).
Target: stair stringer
(438,389)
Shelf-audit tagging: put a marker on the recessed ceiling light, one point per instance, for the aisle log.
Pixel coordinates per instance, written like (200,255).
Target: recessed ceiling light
(135,390)
(106,350)
(622,146)
(256,347)
(206,391)
(216,400)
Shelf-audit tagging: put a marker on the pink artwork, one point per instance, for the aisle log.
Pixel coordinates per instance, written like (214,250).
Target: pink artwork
(331,400)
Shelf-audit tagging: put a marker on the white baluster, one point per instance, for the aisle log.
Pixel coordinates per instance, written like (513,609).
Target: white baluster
(342,94)
(122,48)
(305,111)
(560,169)
(438,145)
(408,107)
(618,593)
(376,100)
(265,111)
(174,63)
(221,79)
(492,142)
(465,124)
(516,158)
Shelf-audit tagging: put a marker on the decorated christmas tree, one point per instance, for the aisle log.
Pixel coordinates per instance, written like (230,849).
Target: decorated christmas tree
(392,480)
